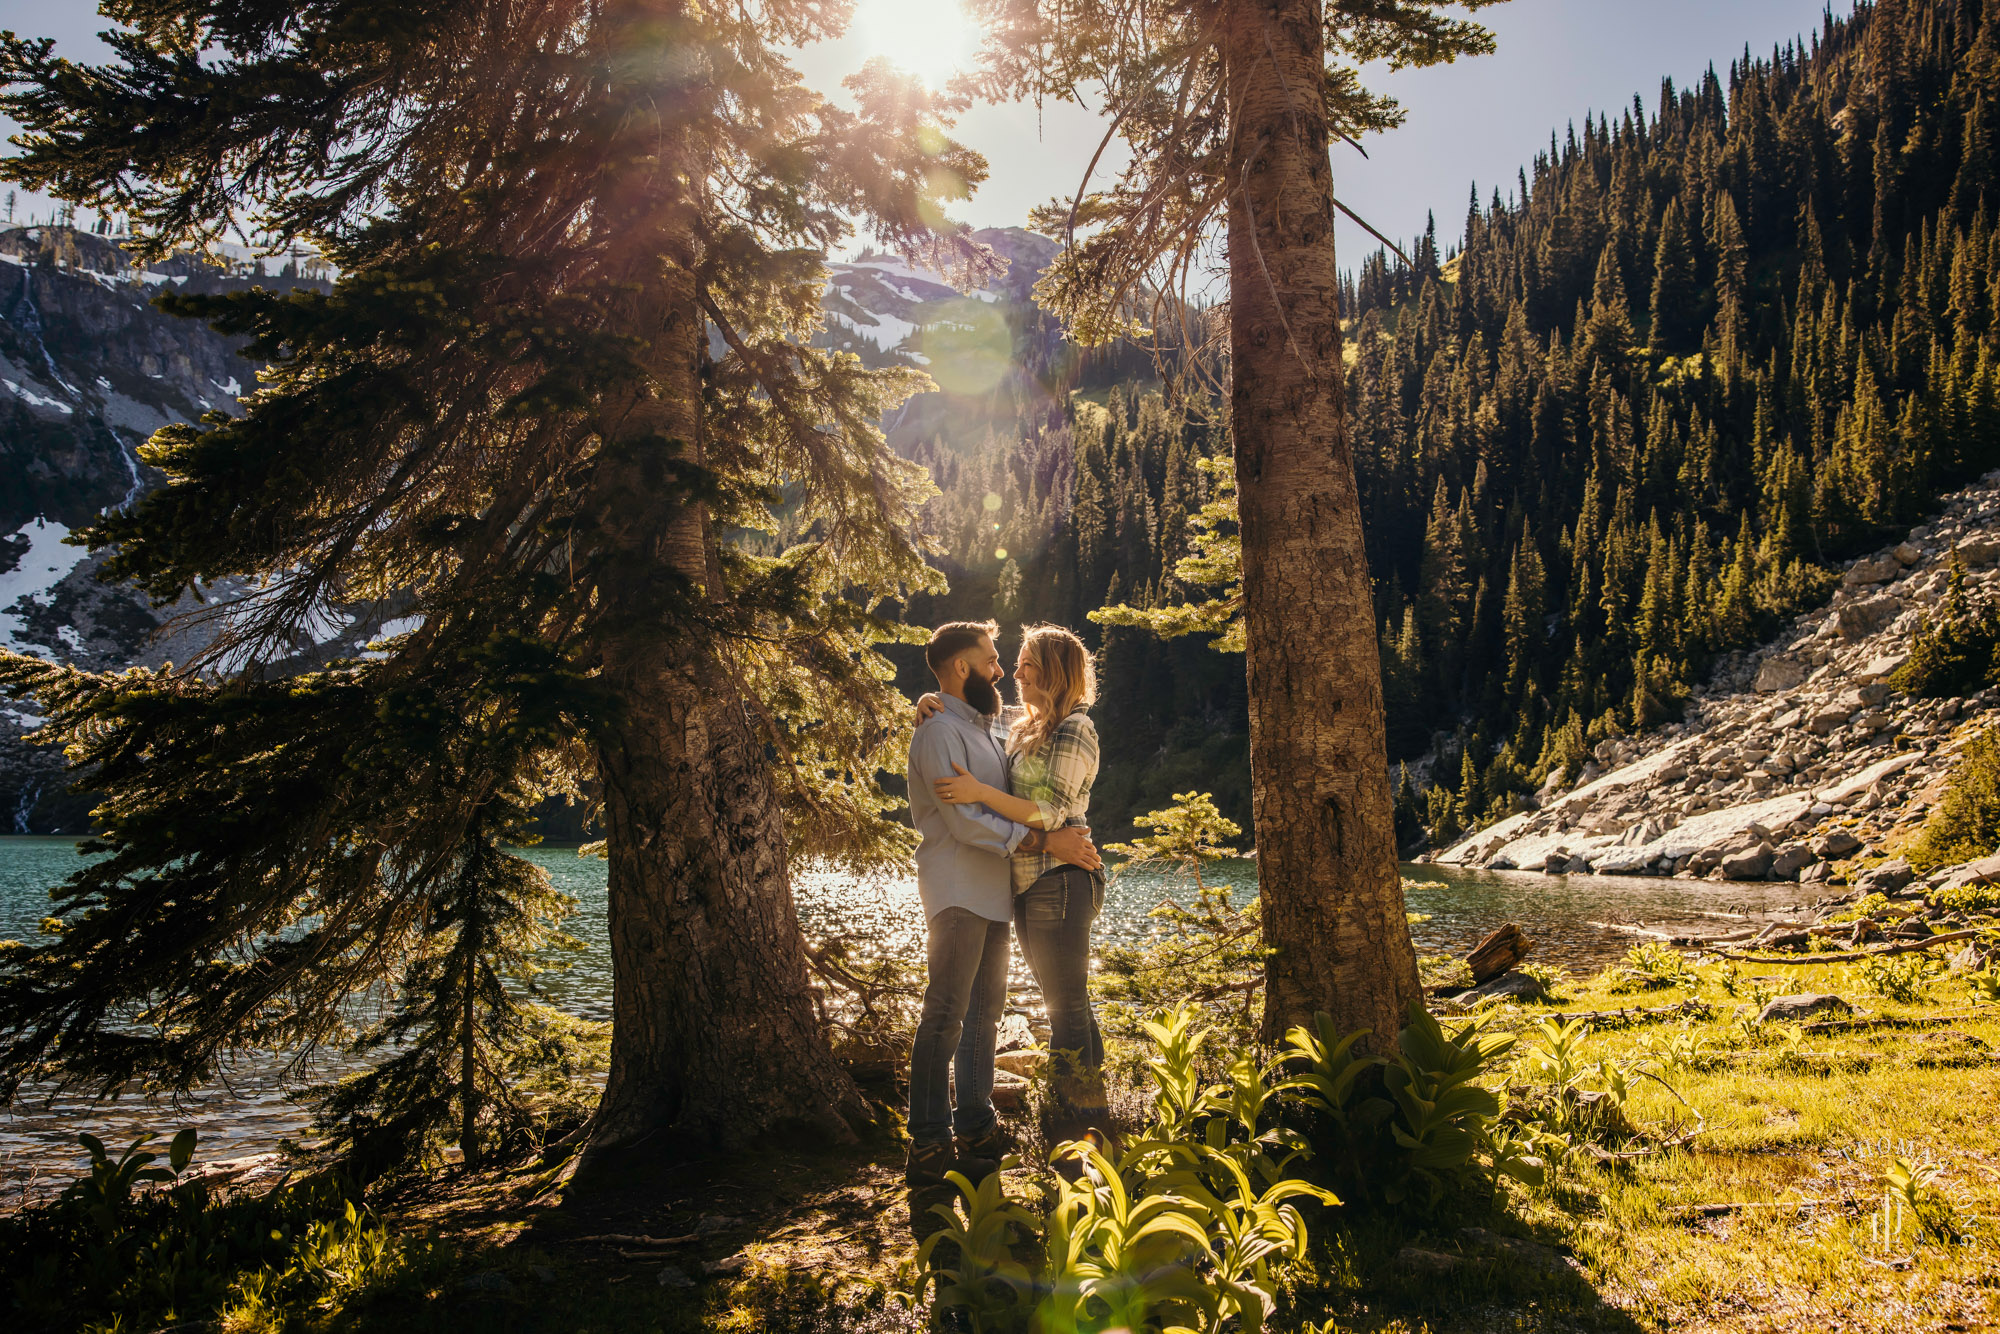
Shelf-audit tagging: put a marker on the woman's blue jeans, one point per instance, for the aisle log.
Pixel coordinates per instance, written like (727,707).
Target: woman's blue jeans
(1053,918)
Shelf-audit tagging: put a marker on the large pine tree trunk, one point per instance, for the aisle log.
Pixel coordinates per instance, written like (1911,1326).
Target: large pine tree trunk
(714,1035)
(1332,900)
(715,1039)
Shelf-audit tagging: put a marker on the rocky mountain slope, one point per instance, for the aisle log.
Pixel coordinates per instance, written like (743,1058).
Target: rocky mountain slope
(89,369)
(1795,761)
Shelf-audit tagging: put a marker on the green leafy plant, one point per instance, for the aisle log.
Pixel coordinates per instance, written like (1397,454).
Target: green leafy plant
(1408,1127)
(1653,965)
(104,1193)
(1181,1230)
(1868,905)
(134,1245)
(1553,981)
(1678,1049)
(1441,1114)
(1585,1102)
(988,1286)
(1911,1202)
(1967,899)
(1904,978)
(1556,1053)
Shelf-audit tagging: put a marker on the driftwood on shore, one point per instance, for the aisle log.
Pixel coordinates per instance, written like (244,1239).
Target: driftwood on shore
(1637,1014)
(1849,956)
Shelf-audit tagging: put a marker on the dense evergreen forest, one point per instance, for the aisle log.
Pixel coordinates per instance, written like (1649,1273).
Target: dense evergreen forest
(1694,357)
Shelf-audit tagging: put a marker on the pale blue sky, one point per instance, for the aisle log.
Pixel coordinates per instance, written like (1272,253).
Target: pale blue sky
(1479,120)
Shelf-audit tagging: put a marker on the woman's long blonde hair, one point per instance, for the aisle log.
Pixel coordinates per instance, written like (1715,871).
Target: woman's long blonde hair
(1069,678)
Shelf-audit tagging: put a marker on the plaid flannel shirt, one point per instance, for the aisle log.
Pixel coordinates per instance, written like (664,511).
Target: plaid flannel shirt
(1057,777)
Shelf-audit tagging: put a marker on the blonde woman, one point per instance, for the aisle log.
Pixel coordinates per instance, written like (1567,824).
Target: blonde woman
(1052,751)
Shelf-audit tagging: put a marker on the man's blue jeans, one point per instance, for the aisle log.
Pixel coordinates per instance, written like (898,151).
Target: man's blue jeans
(963,999)
(1053,917)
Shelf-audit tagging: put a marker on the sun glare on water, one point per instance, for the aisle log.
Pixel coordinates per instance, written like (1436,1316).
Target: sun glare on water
(931,39)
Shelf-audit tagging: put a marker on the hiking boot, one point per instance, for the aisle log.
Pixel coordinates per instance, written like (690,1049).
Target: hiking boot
(928,1163)
(991,1145)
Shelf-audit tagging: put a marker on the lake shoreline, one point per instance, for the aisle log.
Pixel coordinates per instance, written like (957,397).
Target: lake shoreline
(1580,924)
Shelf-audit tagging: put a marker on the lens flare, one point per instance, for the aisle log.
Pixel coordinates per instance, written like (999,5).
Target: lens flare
(931,39)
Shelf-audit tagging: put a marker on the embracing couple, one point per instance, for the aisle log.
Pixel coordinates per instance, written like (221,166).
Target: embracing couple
(999,796)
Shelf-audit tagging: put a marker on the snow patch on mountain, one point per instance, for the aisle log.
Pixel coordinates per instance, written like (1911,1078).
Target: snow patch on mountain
(45,563)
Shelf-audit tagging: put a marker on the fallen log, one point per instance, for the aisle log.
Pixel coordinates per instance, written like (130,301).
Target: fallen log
(631,1239)
(1638,1014)
(1849,956)
(1632,930)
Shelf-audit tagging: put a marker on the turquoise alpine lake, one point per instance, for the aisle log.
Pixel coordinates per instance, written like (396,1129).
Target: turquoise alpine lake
(249,1110)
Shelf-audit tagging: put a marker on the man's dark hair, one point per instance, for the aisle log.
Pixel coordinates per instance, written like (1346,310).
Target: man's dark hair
(955,637)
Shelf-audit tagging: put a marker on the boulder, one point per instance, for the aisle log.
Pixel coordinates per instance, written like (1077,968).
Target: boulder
(1014,1033)
(1872,570)
(1791,859)
(1778,673)
(1754,864)
(1858,620)
(1010,1091)
(1497,953)
(1979,551)
(1836,843)
(1882,665)
(1022,1063)
(1512,985)
(1850,702)
(1908,553)
(1418,1260)
(1985,871)
(1887,878)
(1797,1009)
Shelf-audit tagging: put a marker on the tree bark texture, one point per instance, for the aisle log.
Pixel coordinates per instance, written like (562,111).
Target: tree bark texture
(1332,899)
(715,1038)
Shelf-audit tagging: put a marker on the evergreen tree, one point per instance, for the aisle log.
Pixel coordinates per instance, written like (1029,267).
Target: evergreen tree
(1675,294)
(566,355)
(1828,408)
(1223,145)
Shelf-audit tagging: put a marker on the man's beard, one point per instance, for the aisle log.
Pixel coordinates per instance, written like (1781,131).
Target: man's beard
(982,695)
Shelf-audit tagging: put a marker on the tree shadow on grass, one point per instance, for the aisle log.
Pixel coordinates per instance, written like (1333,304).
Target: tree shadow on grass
(1471,1267)
(808,1240)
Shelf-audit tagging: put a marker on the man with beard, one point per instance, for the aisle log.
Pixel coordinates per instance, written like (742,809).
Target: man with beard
(966,885)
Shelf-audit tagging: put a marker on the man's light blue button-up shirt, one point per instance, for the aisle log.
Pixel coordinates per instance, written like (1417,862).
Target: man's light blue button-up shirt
(962,862)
